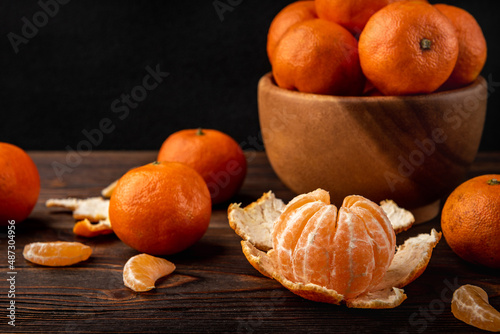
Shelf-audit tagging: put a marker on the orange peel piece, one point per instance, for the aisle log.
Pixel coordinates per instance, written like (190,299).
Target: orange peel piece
(470,304)
(401,219)
(87,229)
(93,208)
(141,271)
(254,225)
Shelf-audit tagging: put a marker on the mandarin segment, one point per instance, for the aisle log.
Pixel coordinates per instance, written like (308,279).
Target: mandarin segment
(470,305)
(142,271)
(309,258)
(285,240)
(56,253)
(380,232)
(353,261)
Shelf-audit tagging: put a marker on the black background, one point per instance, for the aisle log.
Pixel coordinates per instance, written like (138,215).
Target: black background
(64,80)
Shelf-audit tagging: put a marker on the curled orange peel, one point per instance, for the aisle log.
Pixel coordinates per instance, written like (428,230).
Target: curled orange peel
(91,214)
(87,229)
(254,224)
(93,208)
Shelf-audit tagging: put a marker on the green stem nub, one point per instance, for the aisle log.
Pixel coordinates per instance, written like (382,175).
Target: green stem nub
(425,44)
(493,182)
(154,163)
(200,132)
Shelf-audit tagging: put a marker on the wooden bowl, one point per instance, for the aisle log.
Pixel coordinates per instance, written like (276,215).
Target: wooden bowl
(411,149)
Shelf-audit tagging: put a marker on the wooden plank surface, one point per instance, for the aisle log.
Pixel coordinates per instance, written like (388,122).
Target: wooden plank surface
(214,288)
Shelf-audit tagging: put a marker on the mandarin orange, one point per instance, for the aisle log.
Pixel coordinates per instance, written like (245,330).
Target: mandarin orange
(472,47)
(160,208)
(351,14)
(295,12)
(320,57)
(470,220)
(408,47)
(216,156)
(19,184)
(347,250)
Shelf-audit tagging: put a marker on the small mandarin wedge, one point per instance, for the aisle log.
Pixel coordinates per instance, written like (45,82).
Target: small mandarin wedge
(470,305)
(339,256)
(141,271)
(56,253)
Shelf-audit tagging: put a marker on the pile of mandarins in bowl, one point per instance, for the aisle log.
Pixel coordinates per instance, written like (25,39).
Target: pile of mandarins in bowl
(374,48)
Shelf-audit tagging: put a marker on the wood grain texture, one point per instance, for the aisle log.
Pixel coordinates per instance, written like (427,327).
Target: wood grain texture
(412,149)
(214,288)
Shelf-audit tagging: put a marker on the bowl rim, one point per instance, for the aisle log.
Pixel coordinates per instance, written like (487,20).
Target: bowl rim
(267,80)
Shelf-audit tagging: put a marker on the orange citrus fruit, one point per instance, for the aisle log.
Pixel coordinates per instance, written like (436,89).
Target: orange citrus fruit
(160,208)
(347,250)
(141,271)
(320,57)
(215,155)
(351,14)
(471,220)
(408,47)
(19,184)
(471,43)
(470,304)
(295,12)
(56,253)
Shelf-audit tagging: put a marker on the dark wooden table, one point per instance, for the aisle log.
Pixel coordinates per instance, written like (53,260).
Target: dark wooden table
(214,288)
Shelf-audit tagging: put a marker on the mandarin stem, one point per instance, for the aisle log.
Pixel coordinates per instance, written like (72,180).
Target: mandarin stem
(425,44)
(200,132)
(493,182)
